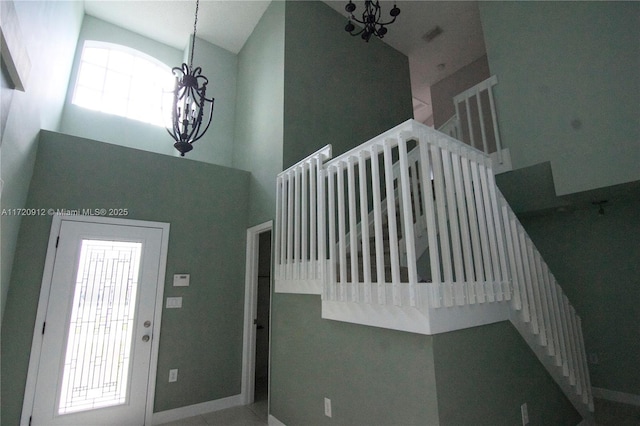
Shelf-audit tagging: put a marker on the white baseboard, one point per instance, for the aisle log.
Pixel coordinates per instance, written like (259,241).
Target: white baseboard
(625,398)
(275,422)
(196,409)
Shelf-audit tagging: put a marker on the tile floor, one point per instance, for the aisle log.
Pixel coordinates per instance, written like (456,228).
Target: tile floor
(244,415)
(607,414)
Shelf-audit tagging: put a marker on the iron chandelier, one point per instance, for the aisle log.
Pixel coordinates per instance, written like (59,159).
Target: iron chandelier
(370,20)
(190,103)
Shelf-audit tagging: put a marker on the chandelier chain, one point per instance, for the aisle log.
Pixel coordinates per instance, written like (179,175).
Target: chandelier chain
(193,40)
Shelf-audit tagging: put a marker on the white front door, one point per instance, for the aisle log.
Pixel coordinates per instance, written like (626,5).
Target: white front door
(100,322)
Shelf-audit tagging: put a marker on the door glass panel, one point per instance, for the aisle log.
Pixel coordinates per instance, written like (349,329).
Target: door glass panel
(98,350)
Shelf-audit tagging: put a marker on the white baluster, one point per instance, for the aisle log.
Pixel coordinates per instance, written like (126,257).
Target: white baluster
(331,211)
(391,223)
(404,186)
(445,250)
(377,221)
(353,230)
(430,215)
(342,235)
(364,228)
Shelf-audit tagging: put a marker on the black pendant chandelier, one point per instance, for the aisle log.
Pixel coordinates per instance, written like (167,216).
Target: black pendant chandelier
(190,103)
(371,25)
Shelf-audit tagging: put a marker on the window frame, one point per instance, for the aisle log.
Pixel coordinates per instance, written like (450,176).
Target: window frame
(132,105)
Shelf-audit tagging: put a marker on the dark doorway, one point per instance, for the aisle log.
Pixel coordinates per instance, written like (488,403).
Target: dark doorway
(262,325)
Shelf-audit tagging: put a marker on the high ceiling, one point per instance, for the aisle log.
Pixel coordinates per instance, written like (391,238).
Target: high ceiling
(228,24)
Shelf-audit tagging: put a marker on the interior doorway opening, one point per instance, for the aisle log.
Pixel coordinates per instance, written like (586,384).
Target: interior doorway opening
(261,376)
(257,319)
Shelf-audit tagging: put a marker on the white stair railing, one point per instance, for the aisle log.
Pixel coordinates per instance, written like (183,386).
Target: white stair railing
(484,267)
(477,120)
(300,248)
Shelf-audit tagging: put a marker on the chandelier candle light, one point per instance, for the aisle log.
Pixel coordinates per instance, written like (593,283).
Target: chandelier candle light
(370,20)
(189,102)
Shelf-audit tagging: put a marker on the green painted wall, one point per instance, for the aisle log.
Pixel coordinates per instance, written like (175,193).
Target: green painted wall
(596,260)
(205,205)
(484,374)
(259,128)
(338,89)
(50,31)
(373,376)
(219,65)
(568,87)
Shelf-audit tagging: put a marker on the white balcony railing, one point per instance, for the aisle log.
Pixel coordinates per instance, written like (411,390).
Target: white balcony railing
(353,228)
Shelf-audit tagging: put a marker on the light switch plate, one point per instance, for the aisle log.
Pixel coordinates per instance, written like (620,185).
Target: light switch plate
(181,280)
(174,302)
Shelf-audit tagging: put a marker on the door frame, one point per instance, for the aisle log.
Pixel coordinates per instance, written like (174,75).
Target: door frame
(250,311)
(45,289)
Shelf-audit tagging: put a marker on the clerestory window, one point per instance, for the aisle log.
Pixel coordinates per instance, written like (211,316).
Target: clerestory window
(119,80)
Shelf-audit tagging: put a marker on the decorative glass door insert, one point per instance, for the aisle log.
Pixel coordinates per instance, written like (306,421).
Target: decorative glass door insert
(97,366)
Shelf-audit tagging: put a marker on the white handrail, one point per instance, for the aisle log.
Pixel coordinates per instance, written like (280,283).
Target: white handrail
(455,123)
(479,253)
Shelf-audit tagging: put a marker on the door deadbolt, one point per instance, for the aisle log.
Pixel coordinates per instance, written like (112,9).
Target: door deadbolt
(145,338)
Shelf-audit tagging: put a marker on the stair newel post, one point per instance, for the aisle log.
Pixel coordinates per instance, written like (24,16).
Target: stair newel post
(364,227)
(404,186)
(353,231)
(426,172)
(342,233)
(391,222)
(377,224)
(331,211)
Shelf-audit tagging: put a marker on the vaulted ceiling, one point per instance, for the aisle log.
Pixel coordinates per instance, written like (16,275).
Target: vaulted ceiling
(228,24)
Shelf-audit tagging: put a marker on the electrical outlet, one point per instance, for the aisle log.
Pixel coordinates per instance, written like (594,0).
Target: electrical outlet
(327,407)
(525,414)
(173,375)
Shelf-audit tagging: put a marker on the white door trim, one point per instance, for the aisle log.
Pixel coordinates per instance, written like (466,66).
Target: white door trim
(250,312)
(45,289)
